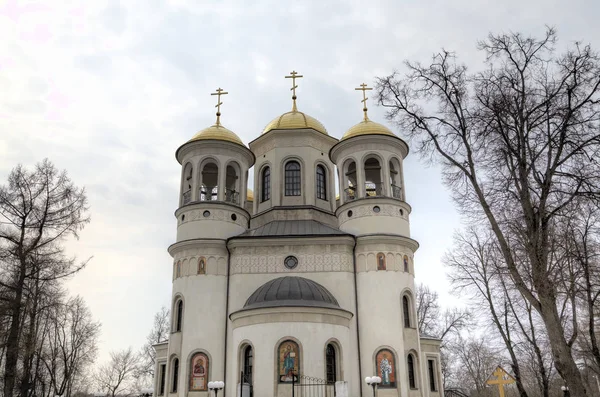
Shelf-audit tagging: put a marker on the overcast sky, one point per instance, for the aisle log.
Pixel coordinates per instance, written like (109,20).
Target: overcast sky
(108,90)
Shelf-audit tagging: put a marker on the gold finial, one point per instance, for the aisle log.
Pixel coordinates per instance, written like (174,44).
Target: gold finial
(364,89)
(219,103)
(294,75)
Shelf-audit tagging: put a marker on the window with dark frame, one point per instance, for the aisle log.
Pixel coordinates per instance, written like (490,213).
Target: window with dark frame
(163,374)
(179,316)
(175,375)
(432,382)
(266,184)
(411,372)
(292,179)
(248,363)
(330,364)
(321,183)
(406,311)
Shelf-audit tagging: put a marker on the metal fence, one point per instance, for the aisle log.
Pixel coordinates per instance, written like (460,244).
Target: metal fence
(307,386)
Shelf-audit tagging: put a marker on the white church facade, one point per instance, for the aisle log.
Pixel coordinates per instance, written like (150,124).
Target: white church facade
(284,289)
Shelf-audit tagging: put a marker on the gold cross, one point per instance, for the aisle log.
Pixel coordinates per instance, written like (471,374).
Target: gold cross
(364,89)
(219,103)
(502,378)
(294,75)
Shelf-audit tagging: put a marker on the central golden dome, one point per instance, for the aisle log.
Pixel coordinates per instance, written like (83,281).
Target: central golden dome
(219,133)
(295,120)
(367,127)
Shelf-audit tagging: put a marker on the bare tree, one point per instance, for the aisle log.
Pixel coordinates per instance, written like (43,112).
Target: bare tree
(71,345)
(117,376)
(39,209)
(519,144)
(159,333)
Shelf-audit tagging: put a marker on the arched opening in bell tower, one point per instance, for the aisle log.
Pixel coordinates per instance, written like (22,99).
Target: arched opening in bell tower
(209,185)
(395,179)
(186,186)
(232,185)
(349,181)
(373,180)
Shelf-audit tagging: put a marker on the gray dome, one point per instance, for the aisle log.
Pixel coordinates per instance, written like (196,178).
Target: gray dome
(291,291)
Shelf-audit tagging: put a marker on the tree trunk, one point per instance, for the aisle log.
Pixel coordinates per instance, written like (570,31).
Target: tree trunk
(12,350)
(561,351)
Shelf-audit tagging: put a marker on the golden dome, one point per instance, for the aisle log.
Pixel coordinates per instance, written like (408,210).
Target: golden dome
(367,127)
(249,195)
(219,133)
(295,120)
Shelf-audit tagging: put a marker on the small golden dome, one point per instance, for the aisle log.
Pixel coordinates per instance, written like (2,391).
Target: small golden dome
(295,120)
(367,127)
(249,195)
(219,133)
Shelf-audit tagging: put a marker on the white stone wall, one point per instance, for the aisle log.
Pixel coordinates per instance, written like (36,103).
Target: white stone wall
(312,339)
(309,148)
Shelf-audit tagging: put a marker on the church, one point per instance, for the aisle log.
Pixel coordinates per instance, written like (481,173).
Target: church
(284,288)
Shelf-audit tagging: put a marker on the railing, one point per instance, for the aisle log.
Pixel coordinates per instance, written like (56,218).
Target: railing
(187,197)
(455,393)
(307,386)
(349,194)
(396,191)
(231,196)
(373,189)
(209,195)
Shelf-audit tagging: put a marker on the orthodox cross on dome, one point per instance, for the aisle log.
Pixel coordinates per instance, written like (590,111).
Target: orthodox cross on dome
(294,75)
(219,103)
(500,377)
(364,89)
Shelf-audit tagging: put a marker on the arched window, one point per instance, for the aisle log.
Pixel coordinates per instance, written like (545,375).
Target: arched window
(175,378)
(412,383)
(199,372)
(381,261)
(321,183)
(266,184)
(292,179)
(405,261)
(386,368)
(179,315)
(373,185)
(248,364)
(406,311)
(187,183)
(288,361)
(209,188)
(330,364)
(202,266)
(350,181)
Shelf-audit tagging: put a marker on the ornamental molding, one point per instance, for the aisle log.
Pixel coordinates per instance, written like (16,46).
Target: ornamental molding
(315,258)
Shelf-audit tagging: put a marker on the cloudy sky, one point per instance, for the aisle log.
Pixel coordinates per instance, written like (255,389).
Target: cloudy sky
(108,90)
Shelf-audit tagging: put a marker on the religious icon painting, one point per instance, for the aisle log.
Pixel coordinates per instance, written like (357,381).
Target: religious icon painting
(289,361)
(199,372)
(381,261)
(202,266)
(405,263)
(386,368)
